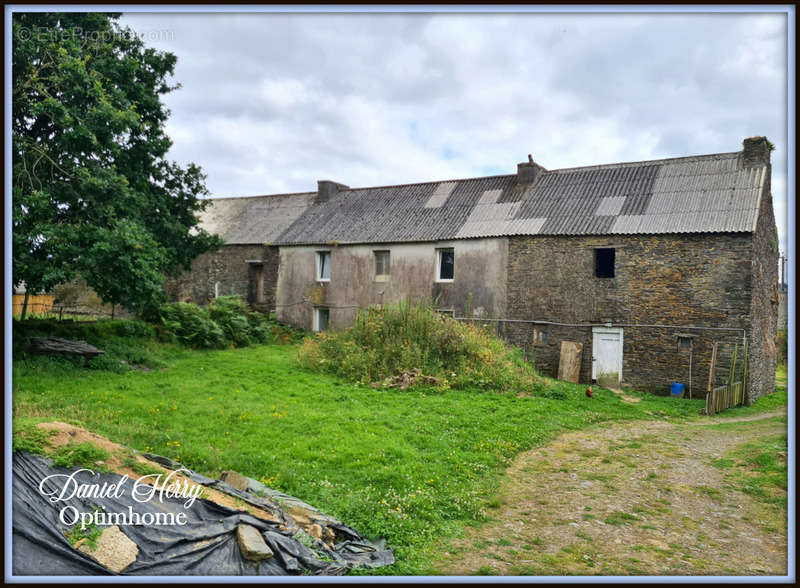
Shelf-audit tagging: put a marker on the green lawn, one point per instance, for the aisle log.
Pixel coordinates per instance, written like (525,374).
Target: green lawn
(409,466)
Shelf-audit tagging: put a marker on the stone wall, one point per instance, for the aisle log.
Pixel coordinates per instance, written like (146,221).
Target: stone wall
(226,272)
(764,310)
(673,281)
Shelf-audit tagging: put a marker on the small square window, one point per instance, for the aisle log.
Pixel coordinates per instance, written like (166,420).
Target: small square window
(684,342)
(604,263)
(323,266)
(322,317)
(382,265)
(445,265)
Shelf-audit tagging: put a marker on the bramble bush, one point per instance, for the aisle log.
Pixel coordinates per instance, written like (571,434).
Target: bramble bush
(226,322)
(191,325)
(398,338)
(240,325)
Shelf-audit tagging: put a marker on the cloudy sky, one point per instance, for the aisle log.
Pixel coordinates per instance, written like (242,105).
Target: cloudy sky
(271,103)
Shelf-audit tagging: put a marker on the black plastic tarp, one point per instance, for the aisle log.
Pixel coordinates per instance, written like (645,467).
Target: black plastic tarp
(205,545)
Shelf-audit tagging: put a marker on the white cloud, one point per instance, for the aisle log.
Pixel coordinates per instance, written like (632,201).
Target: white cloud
(283,93)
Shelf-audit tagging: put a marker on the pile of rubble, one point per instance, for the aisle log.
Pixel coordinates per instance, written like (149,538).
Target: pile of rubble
(407,379)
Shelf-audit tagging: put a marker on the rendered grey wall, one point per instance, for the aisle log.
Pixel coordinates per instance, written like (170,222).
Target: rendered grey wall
(478,285)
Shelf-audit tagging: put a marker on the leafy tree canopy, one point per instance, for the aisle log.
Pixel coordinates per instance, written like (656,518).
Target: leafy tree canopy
(93,194)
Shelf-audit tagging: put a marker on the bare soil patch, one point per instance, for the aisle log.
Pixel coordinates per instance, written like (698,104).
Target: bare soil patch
(638,498)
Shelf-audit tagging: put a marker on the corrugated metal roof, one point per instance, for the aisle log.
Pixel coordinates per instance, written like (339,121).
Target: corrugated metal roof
(712,193)
(393,213)
(254,219)
(440,195)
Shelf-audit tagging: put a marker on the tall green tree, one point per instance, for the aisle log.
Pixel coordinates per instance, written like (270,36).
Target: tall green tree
(93,192)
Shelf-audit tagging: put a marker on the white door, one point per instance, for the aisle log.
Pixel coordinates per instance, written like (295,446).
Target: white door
(607,355)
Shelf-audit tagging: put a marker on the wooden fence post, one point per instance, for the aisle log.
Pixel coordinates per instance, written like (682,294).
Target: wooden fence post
(25,305)
(711,372)
(744,375)
(712,368)
(732,375)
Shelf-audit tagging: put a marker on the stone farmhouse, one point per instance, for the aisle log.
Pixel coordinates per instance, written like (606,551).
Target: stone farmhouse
(645,264)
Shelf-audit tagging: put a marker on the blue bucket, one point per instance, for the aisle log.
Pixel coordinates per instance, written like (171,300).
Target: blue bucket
(677,388)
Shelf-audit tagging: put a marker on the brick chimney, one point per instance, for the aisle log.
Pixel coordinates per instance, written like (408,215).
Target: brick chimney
(755,152)
(528,172)
(326,189)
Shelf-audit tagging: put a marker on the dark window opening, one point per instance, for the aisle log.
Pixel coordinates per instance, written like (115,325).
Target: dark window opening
(684,342)
(604,263)
(446,264)
(323,316)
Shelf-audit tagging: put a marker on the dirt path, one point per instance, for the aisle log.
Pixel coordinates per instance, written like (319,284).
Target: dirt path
(630,499)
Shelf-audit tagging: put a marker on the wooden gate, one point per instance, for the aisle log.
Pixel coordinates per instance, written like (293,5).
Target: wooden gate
(732,392)
(723,397)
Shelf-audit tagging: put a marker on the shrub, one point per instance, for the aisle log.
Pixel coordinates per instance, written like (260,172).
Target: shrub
(226,321)
(241,326)
(394,339)
(192,325)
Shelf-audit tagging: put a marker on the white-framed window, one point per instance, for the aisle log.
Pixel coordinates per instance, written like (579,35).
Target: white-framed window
(383,268)
(445,264)
(322,317)
(323,266)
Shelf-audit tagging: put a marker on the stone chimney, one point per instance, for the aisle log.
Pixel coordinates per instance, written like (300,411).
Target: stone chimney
(755,152)
(326,189)
(528,172)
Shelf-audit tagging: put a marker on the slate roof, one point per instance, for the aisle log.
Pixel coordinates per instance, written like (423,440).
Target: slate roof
(709,193)
(254,219)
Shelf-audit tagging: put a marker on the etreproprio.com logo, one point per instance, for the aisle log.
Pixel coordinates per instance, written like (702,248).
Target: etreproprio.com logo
(60,35)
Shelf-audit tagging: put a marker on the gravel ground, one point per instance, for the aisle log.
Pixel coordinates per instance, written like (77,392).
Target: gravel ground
(629,499)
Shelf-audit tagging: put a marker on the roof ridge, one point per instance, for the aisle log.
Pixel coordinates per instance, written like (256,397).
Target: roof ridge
(643,162)
(431,182)
(259,196)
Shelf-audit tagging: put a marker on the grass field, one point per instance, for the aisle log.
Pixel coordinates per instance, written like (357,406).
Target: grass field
(408,466)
